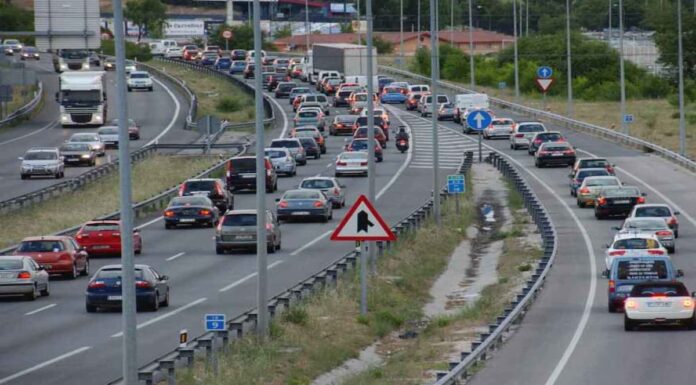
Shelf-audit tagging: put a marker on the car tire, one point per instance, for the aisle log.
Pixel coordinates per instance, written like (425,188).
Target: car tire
(629,325)
(130,89)
(150,89)
(154,306)
(139,250)
(323,150)
(316,156)
(539,164)
(85,270)
(33,295)
(580,204)
(24,176)
(165,302)
(90,308)
(57,175)
(611,307)
(672,250)
(168,226)
(219,250)
(336,175)
(74,273)
(45,292)
(598,215)
(270,249)
(676,233)
(324,219)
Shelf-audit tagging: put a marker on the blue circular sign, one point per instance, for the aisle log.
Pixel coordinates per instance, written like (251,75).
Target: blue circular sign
(478,120)
(544,72)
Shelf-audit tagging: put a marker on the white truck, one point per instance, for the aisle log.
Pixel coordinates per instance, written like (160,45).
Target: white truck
(348,59)
(82,98)
(464,102)
(159,48)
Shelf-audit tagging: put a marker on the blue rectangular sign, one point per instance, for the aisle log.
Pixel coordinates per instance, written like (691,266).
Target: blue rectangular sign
(456,184)
(214,322)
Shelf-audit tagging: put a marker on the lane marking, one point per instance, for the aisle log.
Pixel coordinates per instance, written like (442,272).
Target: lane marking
(282,113)
(248,277)
(47,126)
(311,243)
(177,108)
(165,316)
(43,364)
(40,309)
(146,224)
(175,256)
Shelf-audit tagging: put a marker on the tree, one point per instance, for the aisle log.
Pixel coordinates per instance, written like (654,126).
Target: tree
(148,15)
(242,37)
(663,20)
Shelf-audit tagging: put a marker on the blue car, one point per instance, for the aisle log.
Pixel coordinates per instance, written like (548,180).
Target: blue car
(298,91)
(304,204)
(392,95)
(209,60)
(627,271)
(576,180)
(237,67)
(104,289)
(223,63)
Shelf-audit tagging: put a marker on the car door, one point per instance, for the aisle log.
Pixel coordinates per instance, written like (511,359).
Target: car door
(159,282)
(272,218)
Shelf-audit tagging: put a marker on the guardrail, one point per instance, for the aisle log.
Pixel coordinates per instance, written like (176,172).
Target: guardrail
(193,105)
(157,202)
(564,121)
(515,312)
(210,343)
(26,109)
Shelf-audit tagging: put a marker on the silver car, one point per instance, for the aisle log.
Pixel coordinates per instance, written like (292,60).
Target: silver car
(294,146)
(20,275)
(282,160)
(502,127)
(651,225)
(321,100)
(109,136)
(523,134)
(329,186)
(237,230)
(78,154)
(42,161)
(351,163)
(91,138)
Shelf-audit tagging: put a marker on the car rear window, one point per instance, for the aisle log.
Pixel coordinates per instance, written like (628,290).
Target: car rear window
(641,270)
(40,155)
(591,163)
(346,119)
(602,182)
(620,192)
(301,194)
(661,290)
(636,244)
(501,122)
(42,246)
(243,164)
(11,264)
(199,185)
(274,154)
(317,184)
(101,227)
(353,156)
(108,131)
(586,173)
(653,212)
(308,114)
(530,128)
(190,201)
(442,99)
(239,220)
(139,76)
(359,145)
(285,143)
(74,147)
(556,147)
(116,273)
(550,136)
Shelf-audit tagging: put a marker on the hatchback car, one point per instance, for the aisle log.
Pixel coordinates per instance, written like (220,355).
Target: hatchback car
(310,146)
(103,237)
(659,303)
(104,289)
(591,186)
(78,154)
(211,188)
(544,137)
(362,132)
(237,67)
(329,186)
(223,64)
(653,225)
(311,132)
(342,124)
(391,94)
(524,132)
(58,254)
(660,210)
(304,204)
(237,230)
(412,101)
(297,91)
(240,173)
(294,146)
(21,275)
(139,80)
(29,53)
(282,160)
(42,161)
(238,54)
(90,138)
(109,136)
(190,210)
(351,163)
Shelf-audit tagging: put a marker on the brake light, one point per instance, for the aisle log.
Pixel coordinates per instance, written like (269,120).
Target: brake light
(584,190)
(569,152)
(537,141)
(663,233)
(688,303)
(181,189)
(65,256)
(658,295)
(96,285)
(602,201)
(81,236)
(617,253)
(23,275)
(641,200)
(336,191)
(269,226)
(116,234)
(519,135)
(204,212)
(283,204)
(341,163)
(169,213)
(612,286)
(318,204)
(631,304)
(219,226)
(656,252)
(610,169)
(363,163)
(142,285)
(542,153)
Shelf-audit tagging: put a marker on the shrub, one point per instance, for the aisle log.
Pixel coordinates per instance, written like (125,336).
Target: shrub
(133,51)
(228,104)
(296,315)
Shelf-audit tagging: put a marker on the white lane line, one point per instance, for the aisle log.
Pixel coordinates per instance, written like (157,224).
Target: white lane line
(311,243)
(146,224)
(43,364)
(174,117)
(175,256)
(282,113)
(47,126)
(40,309)
(165,316)
(248,277)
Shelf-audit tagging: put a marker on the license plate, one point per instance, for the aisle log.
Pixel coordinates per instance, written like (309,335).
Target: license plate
(71,160)
(46,266)
(187,220)
(248,175)
(114,298)
(622,202)
(353,164)
(244,237)
(98,247)
(8,275)
(556,154)
(659,304)
(300,213)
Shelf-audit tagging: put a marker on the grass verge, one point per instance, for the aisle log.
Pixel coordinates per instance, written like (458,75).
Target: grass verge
(215,97)
(326,330)
(150,177)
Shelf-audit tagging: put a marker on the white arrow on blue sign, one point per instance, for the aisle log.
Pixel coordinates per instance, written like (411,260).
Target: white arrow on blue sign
(214,322)
(544,72)
(479,120)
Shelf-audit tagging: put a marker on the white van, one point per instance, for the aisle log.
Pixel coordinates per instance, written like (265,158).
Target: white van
(160,47)
(326,74)
(425,104)
(463,102)
(362,80)
(418,88)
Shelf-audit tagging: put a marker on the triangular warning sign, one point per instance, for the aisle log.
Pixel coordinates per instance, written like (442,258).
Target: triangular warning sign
(544,84)
(362,223)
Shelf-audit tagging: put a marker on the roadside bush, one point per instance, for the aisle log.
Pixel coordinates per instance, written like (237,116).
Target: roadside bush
(228,104)
(133,51)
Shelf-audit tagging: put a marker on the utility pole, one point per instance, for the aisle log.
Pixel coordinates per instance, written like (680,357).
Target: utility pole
(472,65)
(230,12)
(401,33)
(370,128)
(419,22)
(261,238)
(569,62)
(452,23)
(682,122)
(128,304)
(358,16)
(624,126)
(526,18)
(434,74)
(517,68)
(307,27)
(610,7)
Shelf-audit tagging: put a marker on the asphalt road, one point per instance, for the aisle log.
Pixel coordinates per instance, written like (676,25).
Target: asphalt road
(161,114)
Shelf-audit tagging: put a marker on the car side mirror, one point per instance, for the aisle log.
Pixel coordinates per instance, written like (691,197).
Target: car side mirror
(605,273)
(693,293)
(677,213)
(616,228)
(164,278)
(643,194)
(277,199)
(137,231)
(680,273)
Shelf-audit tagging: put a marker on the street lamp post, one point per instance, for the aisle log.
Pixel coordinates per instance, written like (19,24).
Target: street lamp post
(307,28)
(624,126)
(682,123)
(401,33)
(514,32)
(471,48)
(434,69)
(569,62)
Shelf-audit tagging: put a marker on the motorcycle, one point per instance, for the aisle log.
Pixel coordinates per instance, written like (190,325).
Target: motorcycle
(402,145)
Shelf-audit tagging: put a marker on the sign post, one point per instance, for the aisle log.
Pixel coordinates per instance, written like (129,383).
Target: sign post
(362,223)
(479,120)
(544,80)
(456,185)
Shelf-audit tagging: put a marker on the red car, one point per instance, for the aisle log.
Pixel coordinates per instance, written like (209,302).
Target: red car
(362,132)
(104,238)
(190,52)
(57,254)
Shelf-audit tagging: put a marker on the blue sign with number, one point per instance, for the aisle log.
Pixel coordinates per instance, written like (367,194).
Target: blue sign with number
(544,72)
(456,184)
(214,322)
(479,120)
(628,118)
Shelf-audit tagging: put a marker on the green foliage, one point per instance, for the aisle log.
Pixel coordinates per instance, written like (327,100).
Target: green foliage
(13,18)
(421,61)
(383,47)
(133,50)
(148,15)
(285,31)
(296,315)
(347,28)
(242,37)
(228,104)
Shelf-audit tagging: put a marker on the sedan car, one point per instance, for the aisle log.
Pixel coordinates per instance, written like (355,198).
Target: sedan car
(29,53)
(310,146)
(654,225)
(351,163)
(590,187)
(329,186)
(91,138)
(20,275)
(104,289)
(392,95)
(190,210)
(309,118)
(499,127)
(661,210)
(594,163)
(295,204)
(617,201)
(282,160)
(362,145)
(133,128)
(78,154)
(633,245)
(211,188)
(57,254)
(237,230)
(110,64)
(103,237)
(237,67)
(223,64)
(446,111)
(342,124)
(577,177)
(130,66)
(42,161)
(297,91)
(524,132)
(552,153)
(659,303)
(544,137)
(109,136)
(282,90)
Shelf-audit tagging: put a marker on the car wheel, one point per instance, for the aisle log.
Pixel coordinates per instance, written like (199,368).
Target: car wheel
(611,307)
(45,292)
(154,306)
(598,215)
(74,273)
(130,89)
(323,150)
(324,219)
(24,176)
(270,248)
(672,250)
(580,204)
(629,325)
(316,156)
(165,302)
(139,250)
(150,89)
(336,175)
(219,250)
(33,295)
(168,225)
(676,233)
(90,308)
(57,175)
(85,270)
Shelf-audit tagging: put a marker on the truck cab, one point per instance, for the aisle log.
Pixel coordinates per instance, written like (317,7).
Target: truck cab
(82,98)
(71,60)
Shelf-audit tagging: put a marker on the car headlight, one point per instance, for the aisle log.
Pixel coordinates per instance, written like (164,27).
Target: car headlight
(85,156)
(63,66)
(85,66)
(64,117)
(98,118)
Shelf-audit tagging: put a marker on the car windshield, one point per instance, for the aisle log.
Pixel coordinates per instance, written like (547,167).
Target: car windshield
(41,155)
(74,54)
(80,96)
(11,264)
(101,227)
(239,64)
(190,201)
(501,122)
(660,290)
(84,138)
(442,99)
(298,90)
(139,76)
(108,131)
(285,143)
(199,185)
(601,182)
(42,246)
(585,173)
(636,244)
(74,147)
(275,154)
(285,87)
(530,128)
(621,192)
(317,184)
(646,224)
(116,274)
(301,194)
(653,212)
(239,220)
(642,270)
(346,119)
(359,145)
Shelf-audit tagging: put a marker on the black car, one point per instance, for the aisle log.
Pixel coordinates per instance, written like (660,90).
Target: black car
(543,137)
(104,289)
(191,210)
(617,201)
(341,98)
(241,174)
(238,54)
(212,188)
(274,80)
(311,147)
(554,154)
(283,89)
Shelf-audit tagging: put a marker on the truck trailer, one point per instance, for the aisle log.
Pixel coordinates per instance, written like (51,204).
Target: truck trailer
(82,98)
(348,59)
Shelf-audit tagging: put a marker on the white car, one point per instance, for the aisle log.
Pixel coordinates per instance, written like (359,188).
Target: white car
(499,127)
(425,104)
(138,80)
(659,303)
(130,66)
(351,163)
(378,111)
(657,210)
(174,53)
(91,138)
(320,99)
(282,160)
(108,136)
(523,133)
(651,225)
(42,161)
(634,245)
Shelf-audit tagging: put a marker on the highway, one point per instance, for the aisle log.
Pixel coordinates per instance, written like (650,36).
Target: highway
(166,124)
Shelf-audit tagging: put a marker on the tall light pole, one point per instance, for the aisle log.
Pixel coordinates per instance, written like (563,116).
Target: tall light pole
(434,74)
(129,343)
(514,32)
(418,22)
(624,126)
(472,66)
(680,58)
(526,18)
(610,7)
(370,129)
(569,62)
(401,32)
(307,28)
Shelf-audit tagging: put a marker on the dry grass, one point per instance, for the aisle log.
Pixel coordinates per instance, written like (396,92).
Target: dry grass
(210,90)
(326,330)
(21,95)
(150,176)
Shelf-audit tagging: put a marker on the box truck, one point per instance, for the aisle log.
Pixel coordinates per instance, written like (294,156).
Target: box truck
(348,59)
(82,98)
